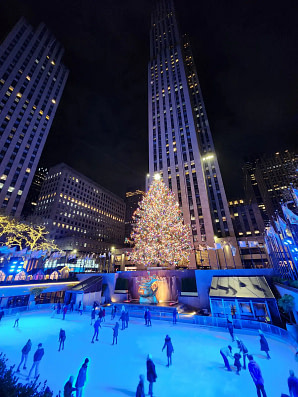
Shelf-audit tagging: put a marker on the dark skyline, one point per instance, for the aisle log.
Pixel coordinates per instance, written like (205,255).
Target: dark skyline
(246,58)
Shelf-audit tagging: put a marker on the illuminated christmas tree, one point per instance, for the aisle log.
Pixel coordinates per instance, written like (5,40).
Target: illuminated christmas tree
(159,234)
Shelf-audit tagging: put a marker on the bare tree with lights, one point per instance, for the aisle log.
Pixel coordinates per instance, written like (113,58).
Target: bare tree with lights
(159,234)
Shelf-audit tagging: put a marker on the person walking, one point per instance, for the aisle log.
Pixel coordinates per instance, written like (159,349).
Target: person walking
(36,360)
(151,374)
(256,375)
(122,318)
(264,344)
(96,328)
(62,337)
(25,351)
(170,350)
(175,316)
(149,318)
(16,323)
(126,318)
(293,384)
(140,389)
(237,363)
(242,349)
(230,327)
(225,353)
(68,388)
(146,316)
(115,333)
(81,379)
(93,313)
(64,311)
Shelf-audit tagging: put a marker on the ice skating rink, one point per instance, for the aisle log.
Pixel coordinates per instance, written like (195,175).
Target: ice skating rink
(197,370)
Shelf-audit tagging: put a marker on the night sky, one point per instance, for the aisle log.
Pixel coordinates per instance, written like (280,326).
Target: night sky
(247,59)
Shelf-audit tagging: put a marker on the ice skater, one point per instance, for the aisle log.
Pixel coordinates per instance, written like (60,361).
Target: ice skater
(225,353)
(264,344)
(242,349)
(62,337)
(256,375)
(53,311)
(113,312)
(64,311)
(16,323)
(170,350)
(68,388)
(140,389)
(93,313)
(81,379)
(146,316)
(175,316)
(36,360)
(100,314)
(122,318)
(293,384)
(230,327)
(237,363)
(25,351)
(115,333)
(58,308)
(96,328)
(126,318)
(151,374)
(149,318)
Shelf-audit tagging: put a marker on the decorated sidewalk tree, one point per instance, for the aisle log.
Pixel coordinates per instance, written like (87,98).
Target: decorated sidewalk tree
(159,234)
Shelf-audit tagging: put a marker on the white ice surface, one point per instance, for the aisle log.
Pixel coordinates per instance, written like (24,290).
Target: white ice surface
(197,369)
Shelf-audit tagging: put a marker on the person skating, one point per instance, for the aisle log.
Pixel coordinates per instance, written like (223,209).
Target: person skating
(146,316)
(115,333)
(149,318)
(225,353)
(264,344)
(140,389)
(113,312)
(58,308)
(237,363)
(36,360)
(25,351)
(100,314)
(126,318)
(151,374)
(16,323)
(293,384)
(230,327)
(96,328)
(170,350)
(93,313)
(122,318)
(175,316)
(53,311)
(242,349)
(62,337)
(256,375)
(68,388)
(64,311)
(81,379)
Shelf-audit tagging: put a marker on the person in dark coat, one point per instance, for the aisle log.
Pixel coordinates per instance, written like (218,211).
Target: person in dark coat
(151,374)
(170,350)
(175,316)
(36,360)
(64,311)
(140,389)
(242,349)
(96,328)
(264,344)
(93,313)
(122,318)
(59,308)
(256,375)
(62,337)
(126,318)
(237,363)
(81,379)
(146,316)
(68,389)
(115,333)
(25,351)
(293,384)
(100,314)
(149,318)
(230,327)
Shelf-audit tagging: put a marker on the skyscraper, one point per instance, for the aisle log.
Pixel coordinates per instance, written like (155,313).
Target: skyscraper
(181,148)
(32,79)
